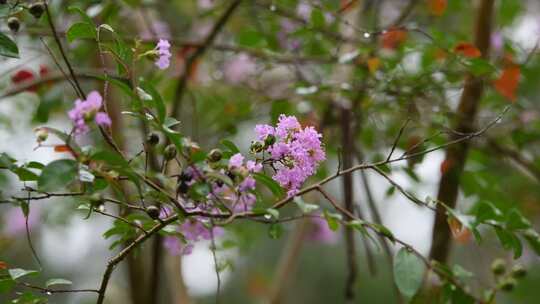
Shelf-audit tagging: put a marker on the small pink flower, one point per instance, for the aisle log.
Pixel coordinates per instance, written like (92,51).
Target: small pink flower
(253,167)
(239,68)
(236,161)
(163,49)
(87,110)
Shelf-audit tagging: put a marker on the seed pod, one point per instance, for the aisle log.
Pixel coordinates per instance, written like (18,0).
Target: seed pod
(498,267)
(169,152)
(152,139)
(257,146)
(269,140)
(518,271)
(153,212)
(14,24)
(37,9)
(183,188)
(508,284)
(215,155)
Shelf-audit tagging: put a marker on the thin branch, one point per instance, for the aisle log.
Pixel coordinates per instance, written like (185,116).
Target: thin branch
(79,90)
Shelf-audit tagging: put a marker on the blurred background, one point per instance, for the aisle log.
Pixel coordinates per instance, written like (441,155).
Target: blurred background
(296,57)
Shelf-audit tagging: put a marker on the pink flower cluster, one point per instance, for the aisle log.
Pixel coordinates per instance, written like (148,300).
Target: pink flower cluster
(163,48)
(88,110)
(296,152)
(193,231)
(242,198)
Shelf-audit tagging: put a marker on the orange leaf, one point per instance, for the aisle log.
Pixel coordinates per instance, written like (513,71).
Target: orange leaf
(373,64)
(392,38)
(346,5)
(3,265)
(507,83)
(437,7)
(62,148)
(468,50)
(459,232)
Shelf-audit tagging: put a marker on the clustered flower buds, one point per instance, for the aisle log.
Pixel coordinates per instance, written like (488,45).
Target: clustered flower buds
(295,151)
(86,111)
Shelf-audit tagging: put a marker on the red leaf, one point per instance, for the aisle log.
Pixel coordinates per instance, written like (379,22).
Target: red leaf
(43,70)
(468,50)
(508,82)
(3,265)
(437,7)
(392,38)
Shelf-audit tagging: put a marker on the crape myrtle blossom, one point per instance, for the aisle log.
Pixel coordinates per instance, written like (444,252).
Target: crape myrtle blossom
(296,152)
(86,111)
(163,50)
(192,230)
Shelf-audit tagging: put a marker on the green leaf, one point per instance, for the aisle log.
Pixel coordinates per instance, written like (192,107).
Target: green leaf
(331,220)
(514,220)
(533,239)
(81,30)
(57,175)
(271,184)
(509,241)
(384,231)
(305,207)
(53,282)
(230,145)
(157,101)
(25,174)
(6,285)
(273,213)
(17,273)
(84,16)
(8,48)
(408,272)
(275,231)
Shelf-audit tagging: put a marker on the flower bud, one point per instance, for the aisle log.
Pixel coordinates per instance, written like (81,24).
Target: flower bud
(183,188)
(14,24)
(498,267)
(169,152)
(41,135)
(153,212)
(36,9)
(215,155)
(186,176)
(269,140)
(152,139)
(518,271)
(96,199)
(508,284)
(256,146)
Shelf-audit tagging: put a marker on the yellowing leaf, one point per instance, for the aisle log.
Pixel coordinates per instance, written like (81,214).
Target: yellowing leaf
(373,64)
(508,82)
